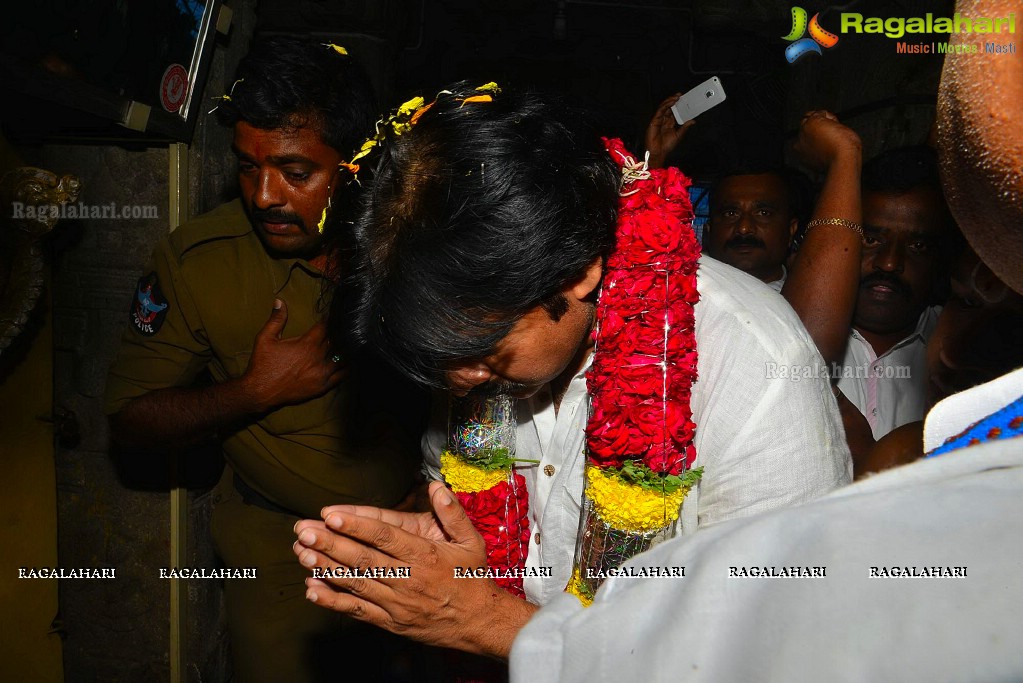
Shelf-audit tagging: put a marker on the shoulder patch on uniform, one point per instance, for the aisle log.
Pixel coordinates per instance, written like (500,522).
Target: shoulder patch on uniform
(149,307)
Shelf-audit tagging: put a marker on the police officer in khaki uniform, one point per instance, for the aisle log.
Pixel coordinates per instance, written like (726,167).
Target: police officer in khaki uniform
(240,292)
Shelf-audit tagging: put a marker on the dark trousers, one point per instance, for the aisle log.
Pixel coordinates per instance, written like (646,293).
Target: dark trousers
(276,634)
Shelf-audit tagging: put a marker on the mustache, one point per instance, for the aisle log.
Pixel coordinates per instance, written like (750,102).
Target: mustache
(744,241)
(900,286)
(276,216)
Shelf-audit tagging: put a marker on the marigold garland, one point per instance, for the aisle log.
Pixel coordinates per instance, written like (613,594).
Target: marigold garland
(629,507)
(463,477)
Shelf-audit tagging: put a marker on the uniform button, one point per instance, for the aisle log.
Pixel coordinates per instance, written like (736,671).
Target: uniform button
(536,538)
(874,412)
(548,470)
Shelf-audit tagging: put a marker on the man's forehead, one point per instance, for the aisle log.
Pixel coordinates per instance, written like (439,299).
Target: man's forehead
(752,186)
(920,210)
(304,140)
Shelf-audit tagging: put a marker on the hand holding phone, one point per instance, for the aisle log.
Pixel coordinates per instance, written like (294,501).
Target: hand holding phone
(698,100)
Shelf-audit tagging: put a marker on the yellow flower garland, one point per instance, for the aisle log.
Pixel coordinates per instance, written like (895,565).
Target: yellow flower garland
(577,588)
(465,478)
(629,507)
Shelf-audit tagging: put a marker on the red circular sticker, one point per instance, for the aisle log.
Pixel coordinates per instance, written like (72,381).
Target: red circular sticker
(173,87)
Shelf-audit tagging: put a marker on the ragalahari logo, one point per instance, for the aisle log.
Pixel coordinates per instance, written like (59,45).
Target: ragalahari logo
(818,36)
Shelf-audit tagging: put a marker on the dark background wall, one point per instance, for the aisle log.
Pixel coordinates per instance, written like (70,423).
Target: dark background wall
(618,58)
(110,516)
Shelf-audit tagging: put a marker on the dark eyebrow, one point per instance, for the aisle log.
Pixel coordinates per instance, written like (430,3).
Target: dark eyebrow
(292,159)
(279,160)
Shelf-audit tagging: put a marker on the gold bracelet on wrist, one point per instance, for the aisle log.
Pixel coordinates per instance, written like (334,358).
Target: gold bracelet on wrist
(855,227)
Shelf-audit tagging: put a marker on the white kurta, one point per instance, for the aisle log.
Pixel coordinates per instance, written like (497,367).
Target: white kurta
(961,510)
(765,442)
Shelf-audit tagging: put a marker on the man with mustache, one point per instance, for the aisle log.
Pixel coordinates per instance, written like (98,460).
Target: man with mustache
(752,222)
(906,227)
(239,292)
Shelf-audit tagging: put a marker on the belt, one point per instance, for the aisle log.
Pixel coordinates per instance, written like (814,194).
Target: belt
(253,497)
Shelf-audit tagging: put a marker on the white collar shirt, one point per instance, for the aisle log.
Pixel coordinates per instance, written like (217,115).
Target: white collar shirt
(776,285)
(764,441)
(890,390)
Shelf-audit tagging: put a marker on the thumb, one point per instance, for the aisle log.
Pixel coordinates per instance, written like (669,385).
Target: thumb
(278,319)
(453,520)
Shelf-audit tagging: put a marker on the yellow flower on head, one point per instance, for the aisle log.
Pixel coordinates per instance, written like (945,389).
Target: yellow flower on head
(323,220)
(410,106)
(465,478)
(630,507)
(420,112)
(490,87)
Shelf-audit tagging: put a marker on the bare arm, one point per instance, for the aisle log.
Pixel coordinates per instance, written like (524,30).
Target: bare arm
(824,279)
(898,447)
(663,135)
(280,372)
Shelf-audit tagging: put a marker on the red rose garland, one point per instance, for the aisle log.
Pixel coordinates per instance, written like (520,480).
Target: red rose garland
(640,431)
(495,513)
(644,362)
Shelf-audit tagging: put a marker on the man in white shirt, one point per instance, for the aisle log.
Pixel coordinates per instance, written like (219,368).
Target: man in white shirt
(752,221)
(484,237)
(880,612)
(906,227)
(749,341)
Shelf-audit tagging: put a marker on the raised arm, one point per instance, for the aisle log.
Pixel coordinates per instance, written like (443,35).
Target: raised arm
(823,281)
(663,135)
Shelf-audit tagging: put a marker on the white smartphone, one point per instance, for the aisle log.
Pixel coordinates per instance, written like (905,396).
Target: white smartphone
(698,100)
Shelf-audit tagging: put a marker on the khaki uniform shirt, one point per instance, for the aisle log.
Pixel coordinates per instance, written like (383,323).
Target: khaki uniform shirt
(210,290)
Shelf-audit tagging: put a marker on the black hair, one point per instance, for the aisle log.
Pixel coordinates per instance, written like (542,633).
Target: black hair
(286,82)
(797,186)
(902,170)
(478,214)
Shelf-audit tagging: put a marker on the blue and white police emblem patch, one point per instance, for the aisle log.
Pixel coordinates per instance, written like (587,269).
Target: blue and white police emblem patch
(149,307)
